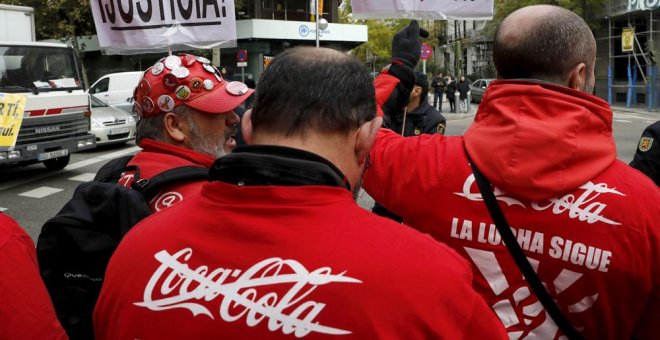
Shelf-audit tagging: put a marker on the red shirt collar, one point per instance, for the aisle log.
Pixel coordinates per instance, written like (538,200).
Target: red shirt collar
(151,145)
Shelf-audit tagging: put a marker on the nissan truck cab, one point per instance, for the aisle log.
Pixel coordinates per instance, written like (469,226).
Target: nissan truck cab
(56,120)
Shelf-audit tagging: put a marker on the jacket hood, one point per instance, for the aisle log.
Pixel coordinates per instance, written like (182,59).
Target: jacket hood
(537,141)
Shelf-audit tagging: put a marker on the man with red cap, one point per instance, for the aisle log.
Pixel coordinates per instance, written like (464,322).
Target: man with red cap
(187,119)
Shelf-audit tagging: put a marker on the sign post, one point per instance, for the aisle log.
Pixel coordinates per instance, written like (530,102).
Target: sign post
(424,54)
(242,58)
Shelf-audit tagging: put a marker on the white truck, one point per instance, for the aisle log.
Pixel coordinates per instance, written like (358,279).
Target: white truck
(56,120)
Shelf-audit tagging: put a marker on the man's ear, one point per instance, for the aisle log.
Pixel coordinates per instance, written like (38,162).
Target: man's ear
(174,127)
(246,126)
(366,135)
(577,77)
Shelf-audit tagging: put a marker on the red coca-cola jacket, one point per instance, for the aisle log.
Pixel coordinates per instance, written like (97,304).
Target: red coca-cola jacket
(293,258)
(26,311)
(588,223)
(157,157)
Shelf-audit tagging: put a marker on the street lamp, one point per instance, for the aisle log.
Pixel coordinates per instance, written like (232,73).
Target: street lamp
(321,23)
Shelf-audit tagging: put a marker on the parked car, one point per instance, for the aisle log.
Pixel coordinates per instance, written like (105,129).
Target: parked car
(111,125)
(478,88)
(116,89)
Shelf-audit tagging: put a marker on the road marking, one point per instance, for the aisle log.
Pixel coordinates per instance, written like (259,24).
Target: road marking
(41,192)
(86,177)
(72,167)
(623,121)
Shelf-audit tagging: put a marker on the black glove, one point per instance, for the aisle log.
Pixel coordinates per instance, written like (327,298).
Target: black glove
(406,45)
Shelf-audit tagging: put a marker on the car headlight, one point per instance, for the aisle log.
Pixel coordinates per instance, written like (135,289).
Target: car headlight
(96,124)
(130,119)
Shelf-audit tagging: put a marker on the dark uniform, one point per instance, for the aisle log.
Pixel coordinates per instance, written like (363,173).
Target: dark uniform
(647,156)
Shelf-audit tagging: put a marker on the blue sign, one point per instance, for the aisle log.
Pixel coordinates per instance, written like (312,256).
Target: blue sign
(242,56)
(425,52)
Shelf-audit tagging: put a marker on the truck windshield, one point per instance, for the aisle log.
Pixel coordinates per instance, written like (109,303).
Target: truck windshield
(37,68)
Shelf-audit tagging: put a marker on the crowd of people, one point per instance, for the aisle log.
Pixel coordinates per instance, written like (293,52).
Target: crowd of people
(274,245)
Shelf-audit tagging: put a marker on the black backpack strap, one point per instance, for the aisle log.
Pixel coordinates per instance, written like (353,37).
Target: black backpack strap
(519,256)
(148,187)
(111,170)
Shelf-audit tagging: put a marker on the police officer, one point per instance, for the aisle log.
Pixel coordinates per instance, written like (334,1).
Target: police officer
(420,117)
(647,156)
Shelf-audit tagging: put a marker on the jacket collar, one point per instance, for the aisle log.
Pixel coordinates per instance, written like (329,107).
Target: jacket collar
(151,145)
(276,165)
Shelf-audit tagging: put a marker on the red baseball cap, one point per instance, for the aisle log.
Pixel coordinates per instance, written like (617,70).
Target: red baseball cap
(186,80)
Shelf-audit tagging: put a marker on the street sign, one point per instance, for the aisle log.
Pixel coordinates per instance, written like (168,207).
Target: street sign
(241,56)
(627,39)
(241,64)
(425,52)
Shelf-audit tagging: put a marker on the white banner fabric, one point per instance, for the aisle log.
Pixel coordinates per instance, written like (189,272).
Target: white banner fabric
(140,26)
(423,9)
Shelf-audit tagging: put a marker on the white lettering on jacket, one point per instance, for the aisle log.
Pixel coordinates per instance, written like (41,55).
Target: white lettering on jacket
(583,207)
(183,287)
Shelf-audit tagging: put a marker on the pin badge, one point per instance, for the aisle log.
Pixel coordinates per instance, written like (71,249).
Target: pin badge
(219,77)
(236,88)
(165,103)
(144,88)
(182,92)
(203,60)
(189,59)
(147,104)
(137,109)
(157,68)
(208,84)
(209,68)
(196,85)
(169,82)
(172,62)
(180,72)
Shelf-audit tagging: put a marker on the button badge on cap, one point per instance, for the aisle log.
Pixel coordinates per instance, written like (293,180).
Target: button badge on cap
(236,88)
(137,109)
(182,92)
(209,68)
(157,68)
(203,60)
(219,77)
(147,104)
(196,85)
(169,82)
(189,59)
(144,88)
(172,61)
(180,72)
(165,103)
(208,84)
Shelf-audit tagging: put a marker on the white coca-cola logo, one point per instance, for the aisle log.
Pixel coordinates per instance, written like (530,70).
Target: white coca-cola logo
(175,285)
(583,207)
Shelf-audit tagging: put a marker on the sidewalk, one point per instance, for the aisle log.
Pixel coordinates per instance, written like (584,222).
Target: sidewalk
(640,110)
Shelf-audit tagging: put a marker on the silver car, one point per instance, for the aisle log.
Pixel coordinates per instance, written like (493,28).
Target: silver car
(111,125)
(478,88)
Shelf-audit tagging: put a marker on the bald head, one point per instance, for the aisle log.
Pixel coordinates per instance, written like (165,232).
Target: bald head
(542,42)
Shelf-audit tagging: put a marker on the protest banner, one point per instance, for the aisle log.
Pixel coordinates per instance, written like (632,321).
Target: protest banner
(11,110)
(130,27)
(420,9)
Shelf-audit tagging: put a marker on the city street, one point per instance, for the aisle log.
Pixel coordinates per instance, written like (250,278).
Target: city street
(32,194)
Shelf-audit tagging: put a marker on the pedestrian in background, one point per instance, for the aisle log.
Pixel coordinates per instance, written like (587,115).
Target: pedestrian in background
(451,94)
(463,91)
(26,311)
(275,247)
(438,84)
(647,156)
(588,224)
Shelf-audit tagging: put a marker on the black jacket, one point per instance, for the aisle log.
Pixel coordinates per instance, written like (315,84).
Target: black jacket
(438,83)
(424,119)
(647,156)
(451,89)
(463,89)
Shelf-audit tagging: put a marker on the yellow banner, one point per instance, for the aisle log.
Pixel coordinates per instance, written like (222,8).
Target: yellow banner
(11,108)
(627,39)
